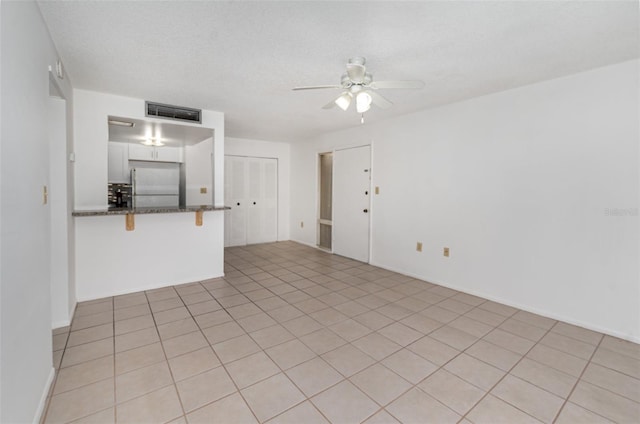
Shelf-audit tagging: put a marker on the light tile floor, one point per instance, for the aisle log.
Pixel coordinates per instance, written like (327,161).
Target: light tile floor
(295,335)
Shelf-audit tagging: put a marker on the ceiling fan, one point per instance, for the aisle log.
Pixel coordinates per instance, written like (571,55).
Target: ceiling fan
(359,84)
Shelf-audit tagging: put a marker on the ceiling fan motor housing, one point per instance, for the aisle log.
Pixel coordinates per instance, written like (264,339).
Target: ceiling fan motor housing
(357,61)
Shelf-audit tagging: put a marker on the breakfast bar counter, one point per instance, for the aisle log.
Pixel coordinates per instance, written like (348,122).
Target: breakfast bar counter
(148,210)
(124,250)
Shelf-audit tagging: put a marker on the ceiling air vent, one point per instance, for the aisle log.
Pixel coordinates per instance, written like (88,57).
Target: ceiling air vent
(159,110)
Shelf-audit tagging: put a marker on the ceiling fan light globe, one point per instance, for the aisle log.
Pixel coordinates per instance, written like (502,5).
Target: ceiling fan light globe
(344,101)
(363,102)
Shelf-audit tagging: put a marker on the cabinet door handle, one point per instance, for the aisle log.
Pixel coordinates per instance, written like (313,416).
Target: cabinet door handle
(366,211)
(238,203)
(254,203)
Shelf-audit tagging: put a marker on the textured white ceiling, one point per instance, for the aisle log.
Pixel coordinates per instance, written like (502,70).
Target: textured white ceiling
(243,58)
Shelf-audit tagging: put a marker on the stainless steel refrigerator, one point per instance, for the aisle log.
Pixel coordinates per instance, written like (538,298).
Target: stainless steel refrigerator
(155,184)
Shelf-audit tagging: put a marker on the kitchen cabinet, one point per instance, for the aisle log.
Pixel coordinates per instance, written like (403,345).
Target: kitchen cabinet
(155,154)
(119,163)
(251,191)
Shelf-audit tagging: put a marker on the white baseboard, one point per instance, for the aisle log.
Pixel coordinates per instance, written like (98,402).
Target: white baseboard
(64,323)
(526,308)
(311,245)
(43,399)
(60,324)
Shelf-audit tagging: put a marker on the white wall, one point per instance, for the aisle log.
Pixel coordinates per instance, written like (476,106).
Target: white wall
(269,149)
(25,222)
(517,184)
(91,135)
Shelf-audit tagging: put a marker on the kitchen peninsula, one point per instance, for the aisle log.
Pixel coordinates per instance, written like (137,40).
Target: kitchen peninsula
(127,250)
(165,244)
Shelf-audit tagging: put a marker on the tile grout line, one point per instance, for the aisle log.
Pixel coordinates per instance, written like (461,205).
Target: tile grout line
(219,360)
(166,359)
(508,372)
(311,359)
(579,379)
(394,321)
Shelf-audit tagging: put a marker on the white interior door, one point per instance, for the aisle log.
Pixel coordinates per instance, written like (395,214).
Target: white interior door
(262,219)
(351,202)
(235,222)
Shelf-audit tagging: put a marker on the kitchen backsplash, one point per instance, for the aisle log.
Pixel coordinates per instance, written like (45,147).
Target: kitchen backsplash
(125,189)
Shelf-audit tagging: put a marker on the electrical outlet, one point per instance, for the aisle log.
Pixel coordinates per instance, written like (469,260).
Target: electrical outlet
(377,190)
(203,190)
(446,252)
(45,195)
(301,224)
(419,246)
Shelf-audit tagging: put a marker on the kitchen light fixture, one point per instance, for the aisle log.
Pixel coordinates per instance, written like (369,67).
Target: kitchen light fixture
(121,123)
(344,100)
(152,142)
(363,102)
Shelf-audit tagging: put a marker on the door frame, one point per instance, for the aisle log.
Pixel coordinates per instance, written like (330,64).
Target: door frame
(319,196)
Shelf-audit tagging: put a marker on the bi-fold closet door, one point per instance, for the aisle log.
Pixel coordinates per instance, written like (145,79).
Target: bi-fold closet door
(251,191)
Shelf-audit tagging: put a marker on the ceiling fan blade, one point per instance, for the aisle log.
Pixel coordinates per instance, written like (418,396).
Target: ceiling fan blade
(396,84)
(316,87)
(356,72)
(379,100)
(329,105)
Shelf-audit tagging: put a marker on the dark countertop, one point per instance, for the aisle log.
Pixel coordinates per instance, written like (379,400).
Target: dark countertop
(139,211)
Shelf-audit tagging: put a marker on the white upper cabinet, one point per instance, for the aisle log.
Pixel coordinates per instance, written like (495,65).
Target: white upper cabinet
(140,152)
(157,154)
(119,163)
(169,154)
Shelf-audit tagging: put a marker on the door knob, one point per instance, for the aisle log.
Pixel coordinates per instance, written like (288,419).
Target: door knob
(366,210)
(238,203)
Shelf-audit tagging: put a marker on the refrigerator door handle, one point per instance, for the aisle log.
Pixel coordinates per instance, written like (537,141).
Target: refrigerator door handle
(133,180)
(134,199)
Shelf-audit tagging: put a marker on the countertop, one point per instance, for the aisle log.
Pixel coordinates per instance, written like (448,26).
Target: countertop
(137,211)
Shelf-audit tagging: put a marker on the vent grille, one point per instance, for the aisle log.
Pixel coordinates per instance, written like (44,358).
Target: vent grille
(159,110)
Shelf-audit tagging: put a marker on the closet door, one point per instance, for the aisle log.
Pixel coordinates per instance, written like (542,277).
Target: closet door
(235,196)
(251,191)
(262,217)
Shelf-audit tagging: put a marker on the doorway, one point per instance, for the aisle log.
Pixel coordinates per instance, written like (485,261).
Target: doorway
(351,202)
(325,209)
(59,199)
